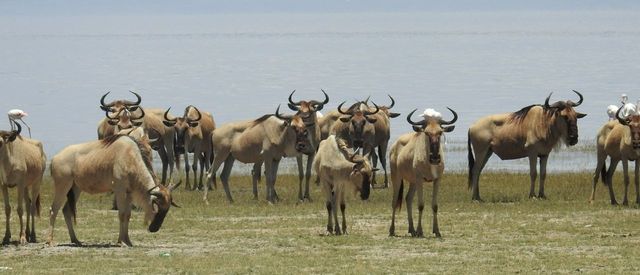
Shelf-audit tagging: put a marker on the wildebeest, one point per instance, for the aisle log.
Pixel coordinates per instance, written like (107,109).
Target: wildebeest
(307,110)
(193,135)
(22,163)
(418,157)
(355,126)
(265,140)
(340,169)
(382,134)
(118,164)
(620,141)
(530,132)
(124,119)
(151,122)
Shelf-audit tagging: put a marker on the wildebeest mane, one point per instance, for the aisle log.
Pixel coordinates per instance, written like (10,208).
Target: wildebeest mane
(261,119)
(519,115)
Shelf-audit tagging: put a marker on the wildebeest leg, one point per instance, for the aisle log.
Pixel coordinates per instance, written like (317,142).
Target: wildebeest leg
(224,176)
(186,169)
(334,208)
(35,205)
(637,180)
(396,200)
(168,144)
(256,172)
(543,176)
(67,211)
(533,173)
(194,166)
(625,173)
(30,213)
(21,189)
(165,163)
(409,200)
(300,176)
(7,214)
(343,207)
(274,176)
(374,163)
(612,169)
(124,214)
(307,177)
(481,160)
(204,165)
(420,191)
(382,153)
(218,159)
(596,175)
(434,207)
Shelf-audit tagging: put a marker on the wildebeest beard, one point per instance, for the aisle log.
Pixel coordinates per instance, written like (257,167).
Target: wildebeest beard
(157,220)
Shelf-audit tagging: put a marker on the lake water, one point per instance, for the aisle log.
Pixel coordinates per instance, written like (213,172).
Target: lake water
(240,66)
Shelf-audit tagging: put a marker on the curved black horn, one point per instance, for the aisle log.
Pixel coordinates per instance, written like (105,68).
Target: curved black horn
(340,109)
(412,122)
(197,111)
(579,101)
(546,101)
(281,116)
(366,101)
(166,116)
(102,100)
(452,121)
(326,97)
(291,103)
(621,120)
(374,112)
(393,102)
(138,99)
(19,128)
(141,114)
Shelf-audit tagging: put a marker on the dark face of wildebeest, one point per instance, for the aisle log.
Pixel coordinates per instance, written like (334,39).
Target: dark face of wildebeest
(295,122)
(162,201)
(305,109)
(433,128)
(569,117)
(357,118)
(633,122)
(124,119)
(182,125)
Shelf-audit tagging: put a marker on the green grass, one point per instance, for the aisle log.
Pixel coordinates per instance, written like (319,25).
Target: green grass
(508,233)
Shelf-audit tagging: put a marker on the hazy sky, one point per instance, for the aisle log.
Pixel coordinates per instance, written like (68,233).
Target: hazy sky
(106,7)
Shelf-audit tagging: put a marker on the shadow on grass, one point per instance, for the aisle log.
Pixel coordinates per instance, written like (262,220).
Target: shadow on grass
(504,199)
(85,245)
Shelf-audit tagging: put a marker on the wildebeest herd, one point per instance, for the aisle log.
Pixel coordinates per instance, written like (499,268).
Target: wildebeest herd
(342,147)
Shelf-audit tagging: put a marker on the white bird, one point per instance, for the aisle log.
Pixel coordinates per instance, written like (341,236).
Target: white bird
(17,114)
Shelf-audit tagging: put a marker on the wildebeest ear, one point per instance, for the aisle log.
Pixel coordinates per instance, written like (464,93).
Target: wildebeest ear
(13,136)
(417,128)
(169,123)
(392,115)
(345,119)
(581,115)
(372,120)
(193,124)
(318,107)
(448,128)
(136,123)
(112,122)
(105,108)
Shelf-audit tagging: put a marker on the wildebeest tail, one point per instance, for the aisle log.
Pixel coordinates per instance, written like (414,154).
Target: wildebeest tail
(70,205)
(398,202)
(472,160)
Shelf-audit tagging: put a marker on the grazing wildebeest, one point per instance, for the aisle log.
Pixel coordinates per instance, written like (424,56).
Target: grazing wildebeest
(382,134)
(193,135)
(22,163)
(308,111)
(530,132)
(340,169)
(118,164)
(265,140)
(418,157)
(620,141)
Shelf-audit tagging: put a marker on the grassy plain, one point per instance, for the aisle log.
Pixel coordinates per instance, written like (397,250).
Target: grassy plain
(508,233)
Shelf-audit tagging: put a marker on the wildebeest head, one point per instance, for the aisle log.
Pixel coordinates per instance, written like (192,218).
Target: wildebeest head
(633,122)
(182,125)
(433,127)
(124,119)
(9,136)
(357,119)
(117,105)
(387,109)
(362,173)
(306,109)
(299,127)
(161,200)
(569,121)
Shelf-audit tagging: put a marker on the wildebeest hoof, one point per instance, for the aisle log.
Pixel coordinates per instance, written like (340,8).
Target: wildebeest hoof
(625,203)
(419,233)
(6,240)
(613,202)
(542,196)
(437,233)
